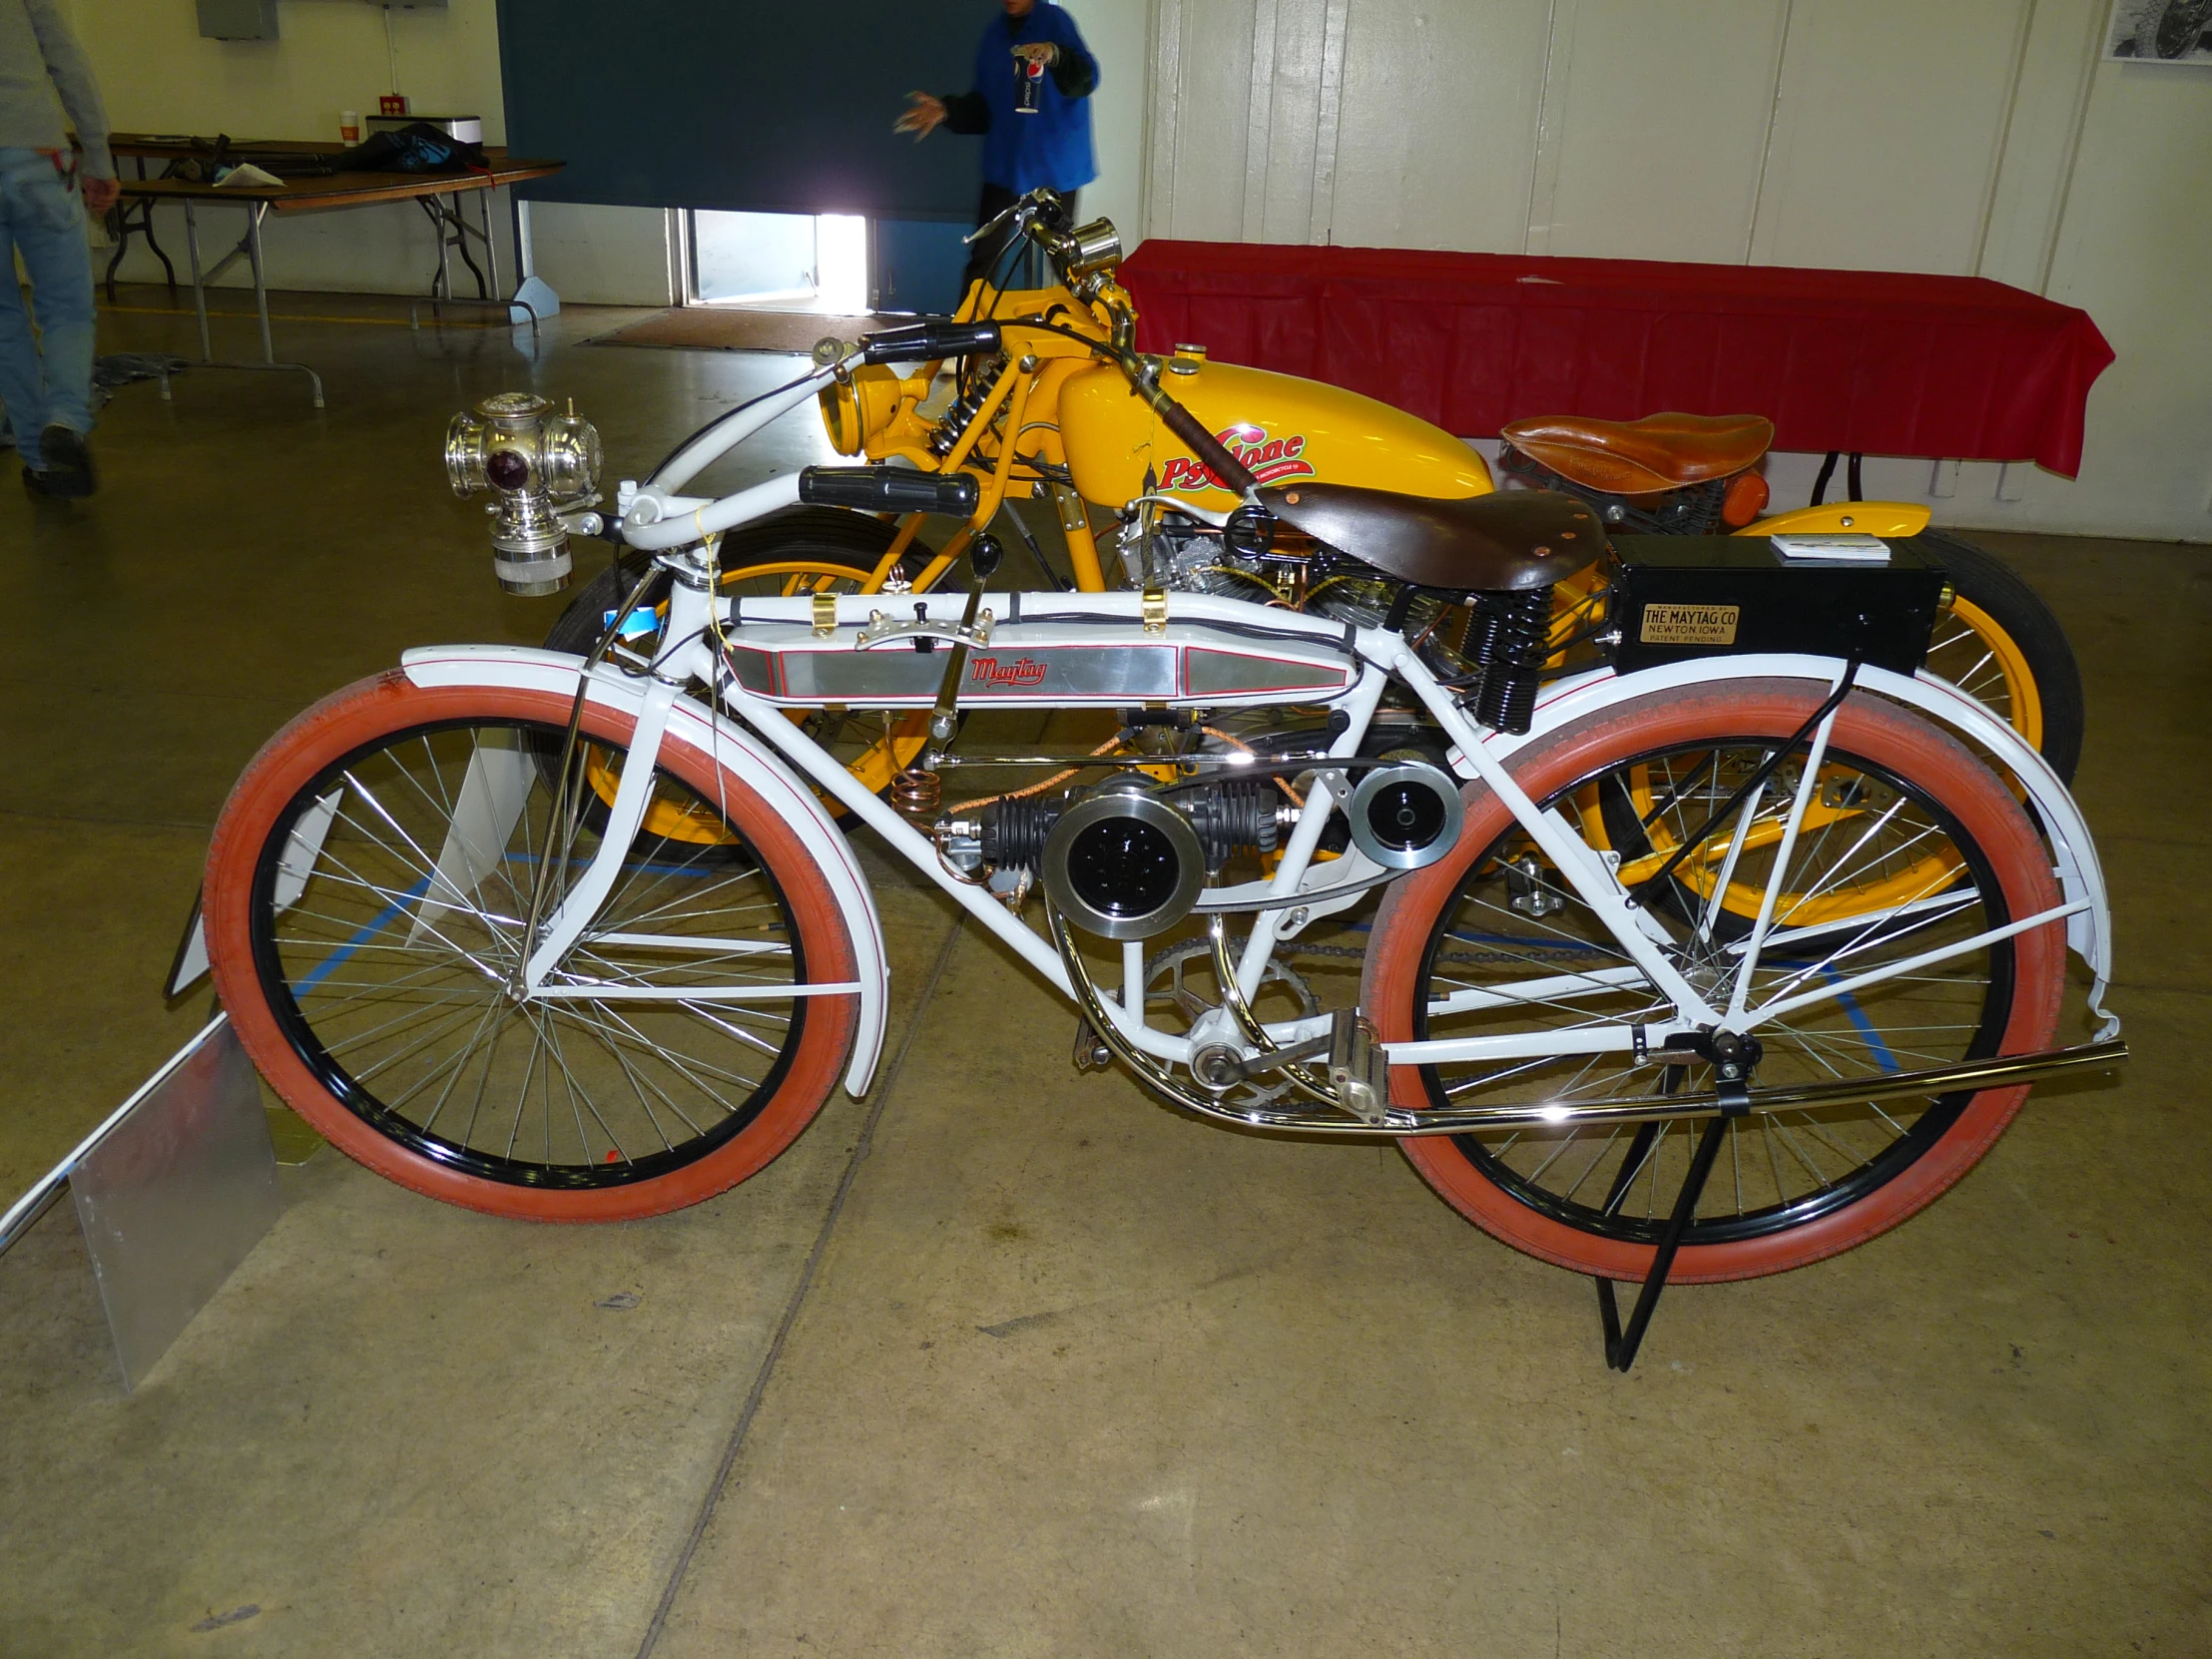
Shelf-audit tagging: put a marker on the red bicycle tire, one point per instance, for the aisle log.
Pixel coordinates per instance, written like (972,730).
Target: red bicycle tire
(1881,731)
(360,712)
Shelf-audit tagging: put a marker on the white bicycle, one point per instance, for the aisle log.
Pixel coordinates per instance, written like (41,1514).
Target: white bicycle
(1699,971)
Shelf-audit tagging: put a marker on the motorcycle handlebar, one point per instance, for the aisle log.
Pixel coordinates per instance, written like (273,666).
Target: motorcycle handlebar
(881,489)
(929,341)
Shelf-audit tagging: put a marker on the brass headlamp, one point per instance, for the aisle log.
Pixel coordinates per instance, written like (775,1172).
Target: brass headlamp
(537,463)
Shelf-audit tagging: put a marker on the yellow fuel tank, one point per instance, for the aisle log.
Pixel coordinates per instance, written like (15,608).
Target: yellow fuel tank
(1281,427)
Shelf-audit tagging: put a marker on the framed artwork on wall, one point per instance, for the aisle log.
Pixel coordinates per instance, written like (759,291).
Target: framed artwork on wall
(2166,31)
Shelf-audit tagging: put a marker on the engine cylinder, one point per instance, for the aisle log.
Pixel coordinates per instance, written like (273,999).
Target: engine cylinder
(1122,862)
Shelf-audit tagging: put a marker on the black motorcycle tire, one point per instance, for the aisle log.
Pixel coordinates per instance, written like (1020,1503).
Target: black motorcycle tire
(2015,607)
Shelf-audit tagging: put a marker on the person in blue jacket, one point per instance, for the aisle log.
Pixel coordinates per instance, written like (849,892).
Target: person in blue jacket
(1031,105)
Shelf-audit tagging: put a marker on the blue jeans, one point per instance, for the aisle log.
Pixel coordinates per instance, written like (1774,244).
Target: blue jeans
(45,381)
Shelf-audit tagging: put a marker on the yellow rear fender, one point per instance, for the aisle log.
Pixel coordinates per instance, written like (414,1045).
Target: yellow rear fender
(1867,518)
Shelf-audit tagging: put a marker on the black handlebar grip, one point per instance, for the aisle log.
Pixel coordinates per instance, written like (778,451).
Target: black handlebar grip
(1206,447)
(882,489)
(927,341)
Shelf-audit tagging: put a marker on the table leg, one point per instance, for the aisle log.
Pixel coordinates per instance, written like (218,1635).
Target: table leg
(492,243)
(199,289)
(260,285)
(208,358)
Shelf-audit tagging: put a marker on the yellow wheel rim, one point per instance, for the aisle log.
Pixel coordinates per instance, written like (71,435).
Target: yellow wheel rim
(1986,663)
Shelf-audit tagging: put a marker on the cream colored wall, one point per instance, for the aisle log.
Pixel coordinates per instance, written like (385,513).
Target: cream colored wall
(1115,31)
(158,75)
(1949,136)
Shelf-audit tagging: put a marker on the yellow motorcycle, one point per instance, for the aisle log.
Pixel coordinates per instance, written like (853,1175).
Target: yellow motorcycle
(1032,413)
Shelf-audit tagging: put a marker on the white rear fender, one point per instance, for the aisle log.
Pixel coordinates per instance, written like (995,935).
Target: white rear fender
(763,771)
(2074,852)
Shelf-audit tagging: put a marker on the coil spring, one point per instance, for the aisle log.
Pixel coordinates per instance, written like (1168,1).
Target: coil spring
(917,795)
(947,432)
(1509,641)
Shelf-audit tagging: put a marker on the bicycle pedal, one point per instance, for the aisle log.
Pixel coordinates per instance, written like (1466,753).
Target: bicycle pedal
(1091,1055)
(1358,1068)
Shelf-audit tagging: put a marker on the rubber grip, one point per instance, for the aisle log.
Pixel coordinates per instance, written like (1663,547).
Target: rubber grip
(882,489)
(929,341)
(1207,447)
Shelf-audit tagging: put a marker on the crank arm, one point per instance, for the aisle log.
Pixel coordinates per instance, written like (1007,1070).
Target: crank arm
(1219,1070)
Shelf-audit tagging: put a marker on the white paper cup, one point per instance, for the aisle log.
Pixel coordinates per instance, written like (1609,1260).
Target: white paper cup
(349,126)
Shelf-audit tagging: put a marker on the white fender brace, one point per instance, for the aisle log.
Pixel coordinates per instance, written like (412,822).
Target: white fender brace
(697,726)
(2074,854)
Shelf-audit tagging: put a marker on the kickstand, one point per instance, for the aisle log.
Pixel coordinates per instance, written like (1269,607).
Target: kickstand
(1621,1345)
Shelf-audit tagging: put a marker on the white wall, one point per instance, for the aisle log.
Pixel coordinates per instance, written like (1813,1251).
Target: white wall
(1959,135)
(1951,136)
(1115,31)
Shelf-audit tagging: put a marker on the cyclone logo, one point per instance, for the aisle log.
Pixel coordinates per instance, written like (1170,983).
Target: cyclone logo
(1271,460)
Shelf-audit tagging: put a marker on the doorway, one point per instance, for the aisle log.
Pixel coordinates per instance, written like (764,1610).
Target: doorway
(780,262)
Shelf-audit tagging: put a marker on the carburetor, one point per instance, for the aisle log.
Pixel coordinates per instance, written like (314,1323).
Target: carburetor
(540,464)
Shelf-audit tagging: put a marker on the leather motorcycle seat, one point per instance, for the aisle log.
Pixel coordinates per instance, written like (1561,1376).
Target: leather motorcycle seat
(1642,457)
(1513,540)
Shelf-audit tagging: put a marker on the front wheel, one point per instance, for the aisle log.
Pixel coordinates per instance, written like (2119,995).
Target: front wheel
(1489,942)
(367,902)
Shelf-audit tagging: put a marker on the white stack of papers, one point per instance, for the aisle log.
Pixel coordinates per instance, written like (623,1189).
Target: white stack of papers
(1833,549)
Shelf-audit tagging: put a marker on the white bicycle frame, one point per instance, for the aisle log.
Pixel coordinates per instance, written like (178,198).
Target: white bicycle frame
(772,755)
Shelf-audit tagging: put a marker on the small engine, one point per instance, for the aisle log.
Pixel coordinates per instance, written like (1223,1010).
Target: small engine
(1491,646)
(539,465)
(1128,859)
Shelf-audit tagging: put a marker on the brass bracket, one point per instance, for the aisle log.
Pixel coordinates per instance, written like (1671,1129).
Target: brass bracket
(825,615)
(1155,610)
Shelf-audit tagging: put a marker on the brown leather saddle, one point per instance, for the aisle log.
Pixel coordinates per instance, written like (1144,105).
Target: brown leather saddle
(1510,541)
(1642,457)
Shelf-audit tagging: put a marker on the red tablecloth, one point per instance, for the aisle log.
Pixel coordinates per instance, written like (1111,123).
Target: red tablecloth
(1879,362)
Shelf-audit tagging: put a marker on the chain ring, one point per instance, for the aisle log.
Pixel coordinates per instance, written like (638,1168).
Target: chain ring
(1172,963)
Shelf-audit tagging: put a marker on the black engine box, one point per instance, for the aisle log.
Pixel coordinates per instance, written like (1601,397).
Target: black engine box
(1679,597)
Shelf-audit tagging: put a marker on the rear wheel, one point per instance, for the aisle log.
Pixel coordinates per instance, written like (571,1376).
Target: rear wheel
(367,900)
(1489,922)
(2000,644)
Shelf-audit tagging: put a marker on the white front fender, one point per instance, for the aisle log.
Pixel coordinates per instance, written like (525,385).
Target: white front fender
(2074,852)
(693,723)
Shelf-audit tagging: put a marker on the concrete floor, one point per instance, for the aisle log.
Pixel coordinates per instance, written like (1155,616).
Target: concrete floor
(1006,1360)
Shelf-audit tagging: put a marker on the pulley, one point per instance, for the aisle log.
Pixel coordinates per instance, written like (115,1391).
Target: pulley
(1407,815)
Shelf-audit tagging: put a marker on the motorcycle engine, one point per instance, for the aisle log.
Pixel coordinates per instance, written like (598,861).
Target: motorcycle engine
(1185,555)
